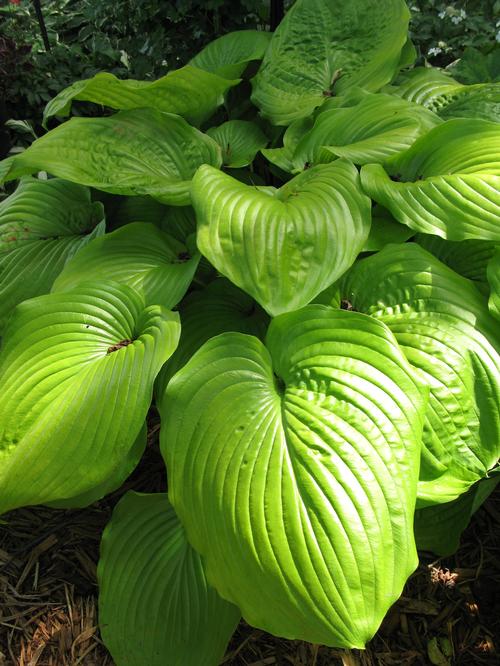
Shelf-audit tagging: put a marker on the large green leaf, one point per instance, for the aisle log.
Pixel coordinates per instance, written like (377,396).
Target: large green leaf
(320,44)
(189,92)
(438,528)
(240,141)
(229,55)
(115,480)
(219,308)
(446,184)
(142,151)
(385,230)
(371,131)
(156,265)
(42,225)
(443,326)
(442,94)
(294,471)
(282,248)
(155,605)
(77,375)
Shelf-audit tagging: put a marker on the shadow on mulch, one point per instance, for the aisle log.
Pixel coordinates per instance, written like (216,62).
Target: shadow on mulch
(449,613)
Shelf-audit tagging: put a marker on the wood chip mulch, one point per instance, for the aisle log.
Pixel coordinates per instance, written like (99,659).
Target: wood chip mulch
(449,614)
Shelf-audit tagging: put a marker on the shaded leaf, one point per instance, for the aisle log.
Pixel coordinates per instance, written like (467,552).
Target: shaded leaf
(239,140)
(155,606)
(343,45)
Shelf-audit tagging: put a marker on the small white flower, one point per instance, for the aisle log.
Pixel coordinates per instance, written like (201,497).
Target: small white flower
(434,50)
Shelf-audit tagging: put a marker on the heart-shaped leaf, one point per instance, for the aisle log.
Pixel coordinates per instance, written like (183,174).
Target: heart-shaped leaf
(320,44)
(286,246)
(294,471)
(239,140)
(189,92)
(446,184)
(155,606)
(42,225)
(139,255)
(142,151)
(230,54)
(442,323)
(77,376)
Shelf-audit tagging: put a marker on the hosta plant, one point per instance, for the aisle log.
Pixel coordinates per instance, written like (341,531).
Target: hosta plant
(290,249)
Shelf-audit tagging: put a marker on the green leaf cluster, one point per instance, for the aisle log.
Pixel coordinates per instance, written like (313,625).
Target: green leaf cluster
(290,249)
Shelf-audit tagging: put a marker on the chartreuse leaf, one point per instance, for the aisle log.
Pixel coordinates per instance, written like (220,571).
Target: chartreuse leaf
(468,257)
(493,276)
(230,54)
(189,92)
(371,131)
(77,375)
(320,44)
(156,265)
(294,470)
(42,225)
(118,476)
(443,326)
(240,141)
(142,151)
(450,181)
(442,94)
(282,156)
(438,528)
(155,605)
(219,308)
(286,246)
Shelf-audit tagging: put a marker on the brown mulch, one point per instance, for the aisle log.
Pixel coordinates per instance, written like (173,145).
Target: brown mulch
(449,613)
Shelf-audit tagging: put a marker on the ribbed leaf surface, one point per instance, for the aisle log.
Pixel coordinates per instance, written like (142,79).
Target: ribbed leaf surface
(450,181)
(239,140)
(442,94)
(443,326)
(155,606)
(468,257)
(139,255)
(219,308)
(77,375)
(42,224)
(282,248)
(294,470)
(189,92)
(229,55)
(142,151)
(319,41)
(371,131)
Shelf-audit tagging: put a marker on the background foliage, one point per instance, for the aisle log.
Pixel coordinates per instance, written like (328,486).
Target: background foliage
(146,39)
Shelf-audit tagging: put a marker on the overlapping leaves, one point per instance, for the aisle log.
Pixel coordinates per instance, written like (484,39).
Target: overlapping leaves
(442,323)
(294,470)
(42,225)
(142,151)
